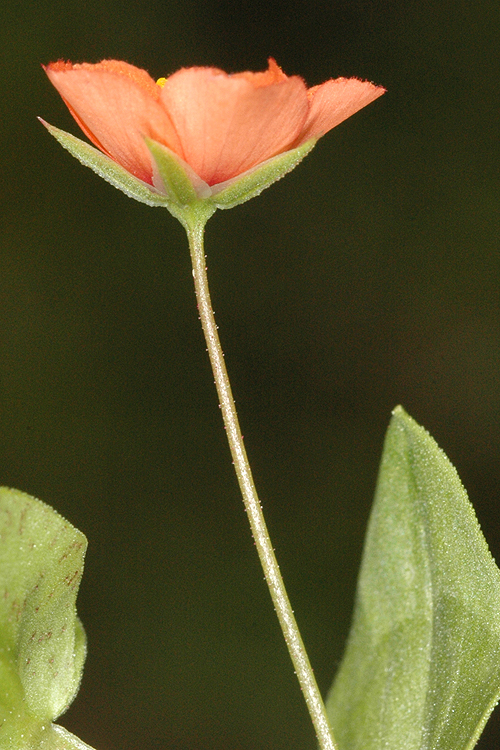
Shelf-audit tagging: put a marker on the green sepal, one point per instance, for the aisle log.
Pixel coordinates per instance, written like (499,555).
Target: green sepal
(250,184)
(421,669)
(55,737)
(42,642)
(108,169)
(178,178)
(182,187)
(22,732)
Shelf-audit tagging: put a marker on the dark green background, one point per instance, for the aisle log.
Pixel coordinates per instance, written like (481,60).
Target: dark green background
(367,278)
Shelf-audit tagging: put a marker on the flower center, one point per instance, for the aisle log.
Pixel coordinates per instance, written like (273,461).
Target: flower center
(161,82)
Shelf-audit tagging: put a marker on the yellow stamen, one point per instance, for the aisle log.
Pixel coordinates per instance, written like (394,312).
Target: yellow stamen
(161,82)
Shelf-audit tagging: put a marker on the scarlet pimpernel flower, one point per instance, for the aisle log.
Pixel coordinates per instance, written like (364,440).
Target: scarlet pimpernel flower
(200,134)
(196,141)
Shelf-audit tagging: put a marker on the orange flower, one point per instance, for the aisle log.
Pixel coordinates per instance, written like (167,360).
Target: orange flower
(220,125)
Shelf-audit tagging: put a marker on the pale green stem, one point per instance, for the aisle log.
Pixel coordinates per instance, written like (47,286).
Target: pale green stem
(260,533)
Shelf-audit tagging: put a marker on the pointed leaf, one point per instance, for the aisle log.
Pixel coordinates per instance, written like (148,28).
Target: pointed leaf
(108,169)
(422,665)
(42,642)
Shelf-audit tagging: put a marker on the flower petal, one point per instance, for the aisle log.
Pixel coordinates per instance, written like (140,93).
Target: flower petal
(273,74)
(334,101)
(229,123)
(116,105)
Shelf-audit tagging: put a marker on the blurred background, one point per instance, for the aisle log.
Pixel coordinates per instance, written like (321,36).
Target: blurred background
(367,278)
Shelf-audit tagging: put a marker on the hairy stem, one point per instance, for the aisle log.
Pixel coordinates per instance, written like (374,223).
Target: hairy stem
(260,533)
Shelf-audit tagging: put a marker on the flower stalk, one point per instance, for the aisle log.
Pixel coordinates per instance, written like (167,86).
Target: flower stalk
(305,675)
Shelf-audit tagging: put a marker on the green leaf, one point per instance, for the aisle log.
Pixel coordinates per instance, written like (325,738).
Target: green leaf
(108,169)
(42,642)
(421,669)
